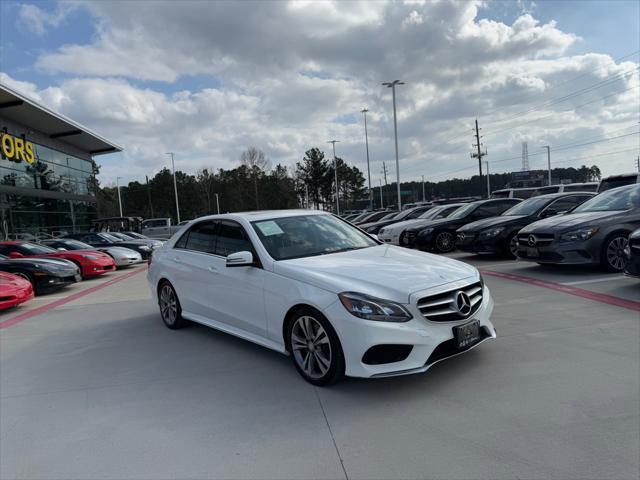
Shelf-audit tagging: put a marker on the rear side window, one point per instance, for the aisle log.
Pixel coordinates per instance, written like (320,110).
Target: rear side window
(200,238)
(231,239)
(565,204)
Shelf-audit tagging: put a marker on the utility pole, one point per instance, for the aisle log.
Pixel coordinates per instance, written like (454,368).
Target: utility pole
(119,198)
(366,142)
(488,180)
(175,185)
(423,197)
(392,86)
(479,154)
(384,172)
(149,196)
(335,167)
(217,203)
(381,201)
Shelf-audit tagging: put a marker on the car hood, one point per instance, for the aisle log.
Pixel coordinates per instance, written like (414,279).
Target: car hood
(441,222)
(54,263)
(118,251)
(384,271)
(491,222)
(570,220)
(402,225)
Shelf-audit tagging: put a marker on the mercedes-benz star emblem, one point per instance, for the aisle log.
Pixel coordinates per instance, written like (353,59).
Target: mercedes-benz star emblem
(531,241)
(463,303)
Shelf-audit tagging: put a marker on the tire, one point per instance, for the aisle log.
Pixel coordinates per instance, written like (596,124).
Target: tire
(27,276)
(170,309)
(613,258)
(444,242)
(314,347)
(511,248)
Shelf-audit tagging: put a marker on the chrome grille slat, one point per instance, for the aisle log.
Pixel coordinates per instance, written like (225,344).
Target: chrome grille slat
(441,307)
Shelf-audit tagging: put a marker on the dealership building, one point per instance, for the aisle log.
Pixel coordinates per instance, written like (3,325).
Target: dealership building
(47,179)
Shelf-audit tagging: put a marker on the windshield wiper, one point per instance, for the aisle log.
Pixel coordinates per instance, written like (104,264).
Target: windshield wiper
(346,249)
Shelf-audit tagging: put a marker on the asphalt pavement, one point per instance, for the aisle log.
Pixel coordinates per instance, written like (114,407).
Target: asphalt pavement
(97,387)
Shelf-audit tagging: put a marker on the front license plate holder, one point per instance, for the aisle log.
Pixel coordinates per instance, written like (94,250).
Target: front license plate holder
(532,252)
(468,334)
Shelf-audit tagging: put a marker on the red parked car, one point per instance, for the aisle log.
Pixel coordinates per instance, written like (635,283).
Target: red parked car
(91,262)
(14,290)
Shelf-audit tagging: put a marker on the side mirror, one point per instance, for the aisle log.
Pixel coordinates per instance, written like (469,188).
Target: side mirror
(15,255)
(240,259)
(549,212)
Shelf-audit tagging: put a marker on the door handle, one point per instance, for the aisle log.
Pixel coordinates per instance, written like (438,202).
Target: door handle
(176,259)
(213,270)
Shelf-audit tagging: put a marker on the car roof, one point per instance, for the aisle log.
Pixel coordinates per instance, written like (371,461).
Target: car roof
(264,214)
(564,194)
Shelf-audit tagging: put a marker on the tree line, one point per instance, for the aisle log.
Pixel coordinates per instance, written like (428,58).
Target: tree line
(255,185)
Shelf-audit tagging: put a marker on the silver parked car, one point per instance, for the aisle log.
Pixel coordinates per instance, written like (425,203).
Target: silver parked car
(123,257)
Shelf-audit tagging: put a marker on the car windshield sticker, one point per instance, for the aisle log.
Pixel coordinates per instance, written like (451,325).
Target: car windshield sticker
(269,228)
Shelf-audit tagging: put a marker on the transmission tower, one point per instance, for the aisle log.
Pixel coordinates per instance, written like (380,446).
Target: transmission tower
(525,157)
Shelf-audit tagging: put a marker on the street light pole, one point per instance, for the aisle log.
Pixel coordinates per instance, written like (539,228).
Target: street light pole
(381,200)
(366,142)
(488,180)
(423,197)
(335,167)
(548,161)
(175,185)
(392,86)
(119,198)
(217,203)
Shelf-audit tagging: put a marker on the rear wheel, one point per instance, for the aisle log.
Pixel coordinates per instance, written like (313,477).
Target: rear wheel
(512,246)
(445,242)
(170,309)
(315,348)
(613,257)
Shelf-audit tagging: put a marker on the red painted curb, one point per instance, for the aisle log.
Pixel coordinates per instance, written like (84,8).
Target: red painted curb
(578,292)
(62,301)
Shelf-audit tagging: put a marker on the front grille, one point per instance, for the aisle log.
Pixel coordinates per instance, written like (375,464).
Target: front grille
(540,239)
(466,238)
(442,307)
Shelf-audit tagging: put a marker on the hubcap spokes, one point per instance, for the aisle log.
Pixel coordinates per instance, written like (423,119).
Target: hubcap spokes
(513,246)
(615,253)
(444,241)
(168,305)
(311,347)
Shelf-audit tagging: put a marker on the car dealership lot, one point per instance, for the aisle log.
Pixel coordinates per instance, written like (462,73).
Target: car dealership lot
(98,387)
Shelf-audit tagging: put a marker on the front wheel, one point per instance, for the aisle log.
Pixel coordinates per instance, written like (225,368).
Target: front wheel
(315,348)
(445,242)
(512,246)
(613,257)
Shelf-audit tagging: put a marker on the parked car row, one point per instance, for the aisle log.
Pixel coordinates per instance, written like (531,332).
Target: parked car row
(56,262)
(568,227)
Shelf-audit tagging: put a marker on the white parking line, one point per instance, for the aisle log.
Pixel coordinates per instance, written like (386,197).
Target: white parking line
(596,280)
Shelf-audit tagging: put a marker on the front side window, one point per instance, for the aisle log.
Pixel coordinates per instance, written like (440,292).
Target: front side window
(463,211)
(309,235)
(34,249)
(231,239)
(528,207)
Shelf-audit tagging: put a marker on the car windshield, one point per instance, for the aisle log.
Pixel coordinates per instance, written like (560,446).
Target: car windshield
(309,235)
(615,182)
(121,236)
(135,235)
(617,199)
(463,211)
(35,249)
(3,257)
(75,245)
(528,207)
(110,237)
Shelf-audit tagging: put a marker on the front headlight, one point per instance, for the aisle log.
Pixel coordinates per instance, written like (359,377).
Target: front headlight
(381,231)
(579,235)
(492,232)
(90,257)
(371,308)
(144,248)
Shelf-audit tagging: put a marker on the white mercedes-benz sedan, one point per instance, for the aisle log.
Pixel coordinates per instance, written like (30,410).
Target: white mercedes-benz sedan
(311,285)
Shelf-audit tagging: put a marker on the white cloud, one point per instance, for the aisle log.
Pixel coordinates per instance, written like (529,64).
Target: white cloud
(289,76)
(37,21)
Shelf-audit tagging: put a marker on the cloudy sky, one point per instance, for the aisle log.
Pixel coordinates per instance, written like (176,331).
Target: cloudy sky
(208,79)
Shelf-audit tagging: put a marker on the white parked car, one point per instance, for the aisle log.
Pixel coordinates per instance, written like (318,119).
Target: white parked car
(311,285)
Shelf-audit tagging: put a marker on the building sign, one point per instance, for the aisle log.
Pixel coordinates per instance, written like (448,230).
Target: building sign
(16,149)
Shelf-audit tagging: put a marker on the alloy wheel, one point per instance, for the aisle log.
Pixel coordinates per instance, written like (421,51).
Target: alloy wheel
(168,305)
(513,246)
(311,347)
(444,242)
(615,253)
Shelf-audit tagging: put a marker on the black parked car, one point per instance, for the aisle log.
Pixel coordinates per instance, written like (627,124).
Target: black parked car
(409,214)
(632,252)
(45,274)
(498,234)
(103,239)
(440,235)
(595,232)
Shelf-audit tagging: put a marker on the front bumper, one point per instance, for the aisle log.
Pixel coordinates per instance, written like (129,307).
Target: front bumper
(473,243)
(423,241)
(126,261)
(392,237)
(16,297)
(54,282)
(431,342)
(98,267)
(632,269)
(552,251)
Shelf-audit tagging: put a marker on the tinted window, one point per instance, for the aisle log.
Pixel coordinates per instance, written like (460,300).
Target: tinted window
(231,239)
(202,237)
(564,204)
(611,200)
(506,205)
(528,207)
(581,188)
(501,194)
(614,182)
